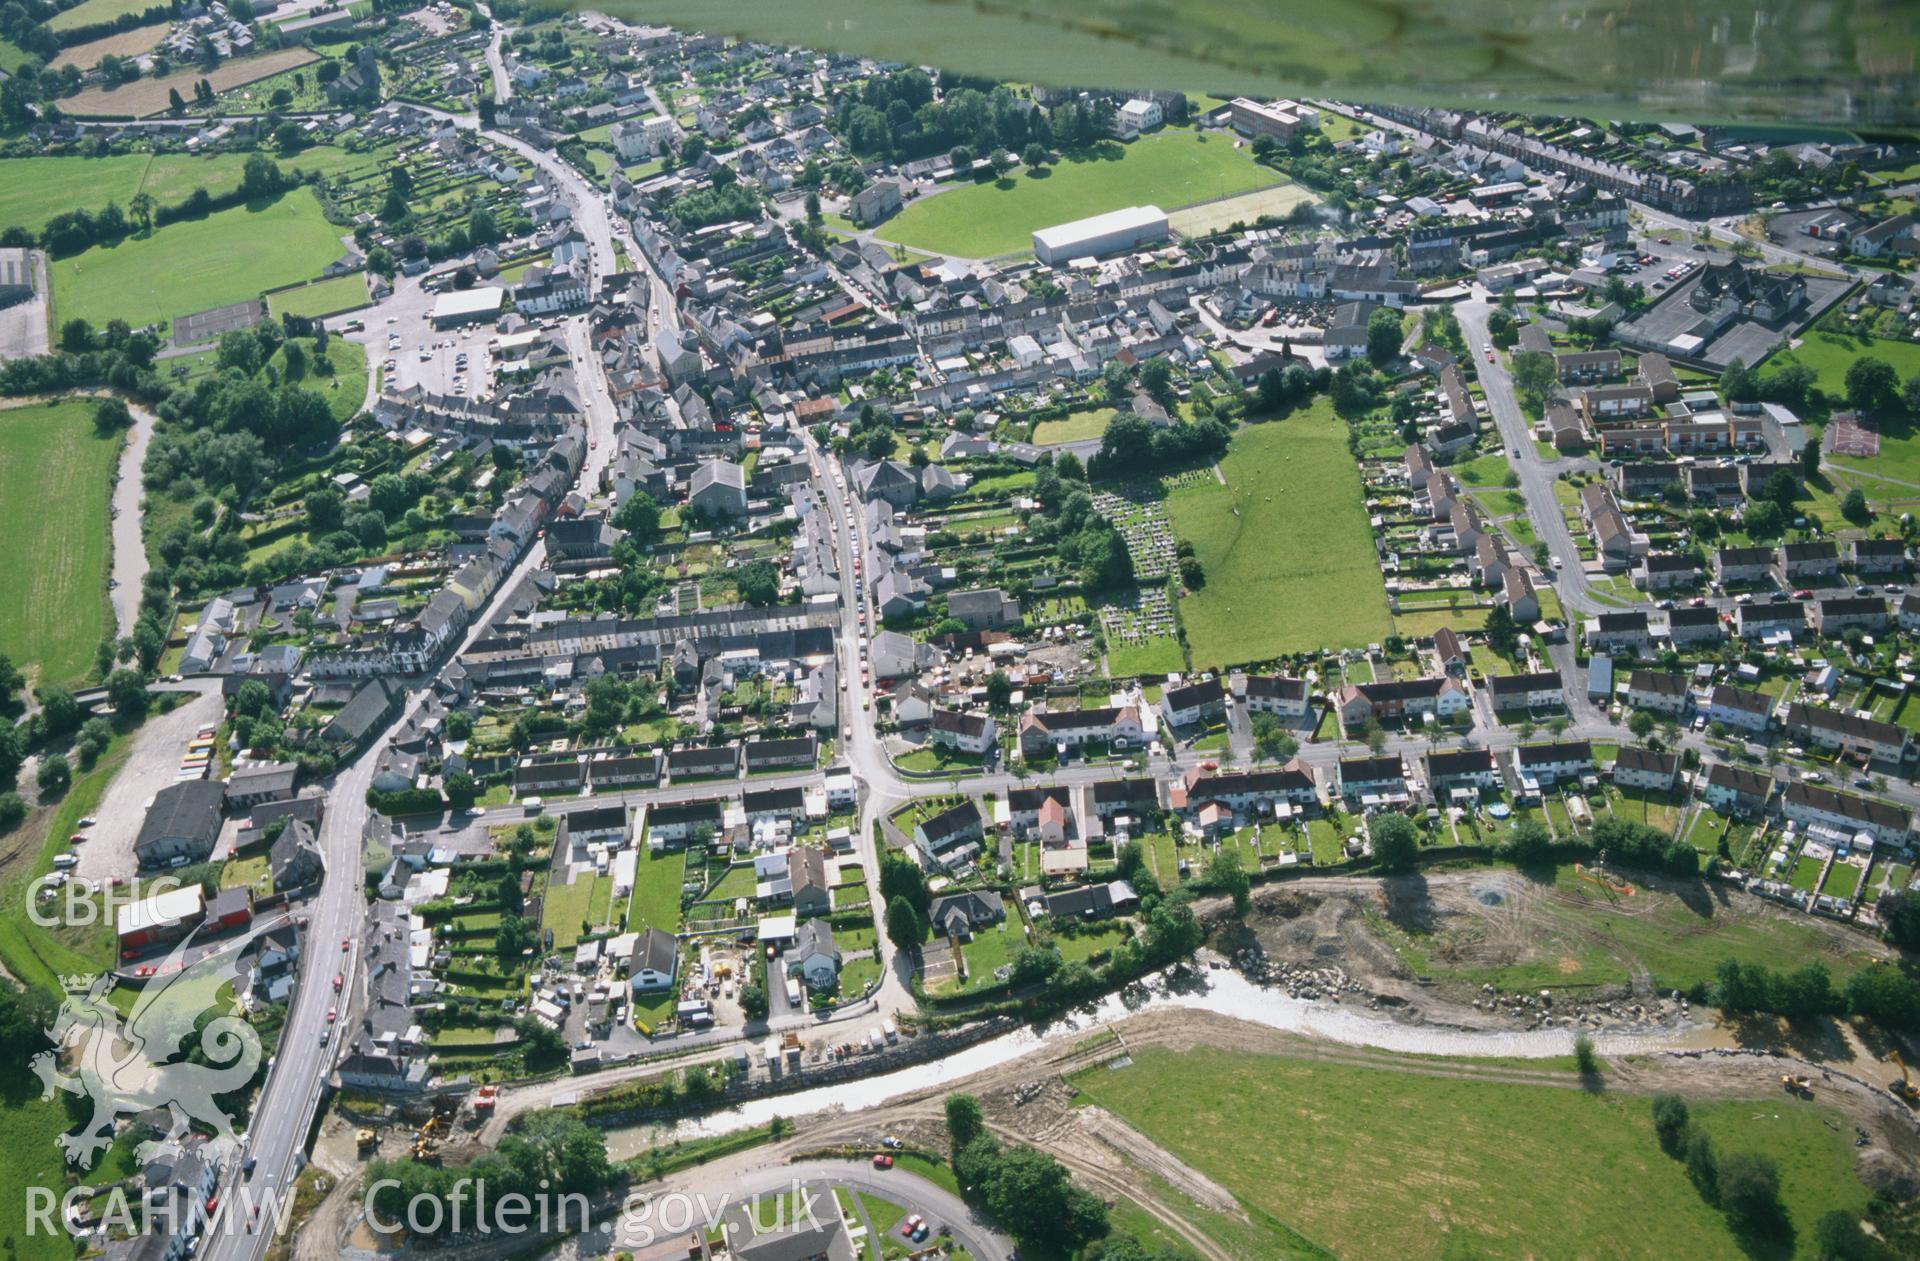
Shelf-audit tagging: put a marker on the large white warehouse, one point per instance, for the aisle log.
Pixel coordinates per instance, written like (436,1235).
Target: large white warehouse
(1102,234)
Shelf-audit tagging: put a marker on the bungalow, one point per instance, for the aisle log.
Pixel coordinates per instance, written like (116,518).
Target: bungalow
(961,915)
(1193,703)
(1742,564)
(1660,572)
(1278,695)
(1549,763)
(1738,708)
(1878,556)
(1402,698)
(1462,768)
(1657,692)
(1687,626)
(1362,777)
(1834,616)
(1804,564)
(1060,730)
(963,732)
(1886,823)
(1088,902)
(1542,690)
(1735,789)
(951,838)
(1619,632)
(1635,767)
(1846,733)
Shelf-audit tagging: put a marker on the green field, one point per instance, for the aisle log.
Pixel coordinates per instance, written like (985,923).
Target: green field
(34,190)
(1169,170)
(322,297)
(53,607)
(1390,1164)
(1285,544)
(1830,354)
(186,267)
(89,12)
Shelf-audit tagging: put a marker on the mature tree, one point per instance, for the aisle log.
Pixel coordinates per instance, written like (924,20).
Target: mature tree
(905,928)
(1871,383)
(1641,724)
(1383,336)
(1271,739)
(54,776)
(1837,1237)
(13,809)
(758,582)
(753,1002)
(127,693)
(1395,844)
(999,689)
(639,516)
(60,713)
(1534,377)
(1854,507)
(460,789)
(512,938)
(1528,844)
(1899,912)
(1810,459)
(900,877)
(25,1015)
(1224,874)
(326,511)
(1749,1186)
(1034,156)
(110,415)
(965,1120)
(1670,1122)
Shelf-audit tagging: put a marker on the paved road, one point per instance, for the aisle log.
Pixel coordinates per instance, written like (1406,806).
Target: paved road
(1537,476)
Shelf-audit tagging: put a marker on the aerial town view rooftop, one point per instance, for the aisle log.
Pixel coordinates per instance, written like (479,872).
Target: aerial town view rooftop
(630,639)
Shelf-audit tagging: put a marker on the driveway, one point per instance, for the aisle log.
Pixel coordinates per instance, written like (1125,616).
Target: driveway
(158,747)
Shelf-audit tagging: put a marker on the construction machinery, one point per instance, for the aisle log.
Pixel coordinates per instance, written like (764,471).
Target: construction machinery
(1801,1084)
(365,1139)
(1904,1090)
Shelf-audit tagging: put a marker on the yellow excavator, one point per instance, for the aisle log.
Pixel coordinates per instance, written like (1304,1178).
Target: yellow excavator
(1904,1090)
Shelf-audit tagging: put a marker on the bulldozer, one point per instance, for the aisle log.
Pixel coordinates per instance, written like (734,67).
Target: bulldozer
(1904,1090)
(1801,1084)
